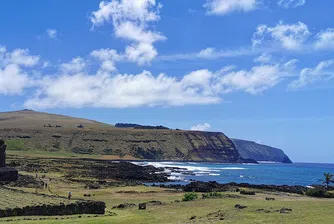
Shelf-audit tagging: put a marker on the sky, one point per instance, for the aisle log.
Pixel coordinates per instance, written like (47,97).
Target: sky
(258,70)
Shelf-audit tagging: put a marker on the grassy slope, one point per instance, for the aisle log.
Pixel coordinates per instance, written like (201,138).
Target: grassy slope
(305,210)
(25,130)
(33,119)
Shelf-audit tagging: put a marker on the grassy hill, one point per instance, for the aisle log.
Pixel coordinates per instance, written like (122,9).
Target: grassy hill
(30,130)
(33,119)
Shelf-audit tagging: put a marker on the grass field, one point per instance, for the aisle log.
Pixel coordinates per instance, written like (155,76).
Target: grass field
(304,210)
(221,210)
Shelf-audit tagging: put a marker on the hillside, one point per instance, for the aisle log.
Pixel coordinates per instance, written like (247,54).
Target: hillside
(258,152)
(33,119)
(29,130)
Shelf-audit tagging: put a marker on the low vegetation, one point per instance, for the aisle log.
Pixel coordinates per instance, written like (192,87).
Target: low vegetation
(190,196)
(15,144)
(212,195)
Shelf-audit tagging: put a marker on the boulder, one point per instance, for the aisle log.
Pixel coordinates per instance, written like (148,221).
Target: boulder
(237,206)
(142,206)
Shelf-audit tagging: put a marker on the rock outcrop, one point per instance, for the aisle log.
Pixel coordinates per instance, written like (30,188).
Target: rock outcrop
(258,152)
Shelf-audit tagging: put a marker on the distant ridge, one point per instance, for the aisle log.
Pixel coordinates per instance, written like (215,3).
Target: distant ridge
(259,152)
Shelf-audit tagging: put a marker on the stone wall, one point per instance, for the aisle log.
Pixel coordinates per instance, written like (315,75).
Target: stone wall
(82,207)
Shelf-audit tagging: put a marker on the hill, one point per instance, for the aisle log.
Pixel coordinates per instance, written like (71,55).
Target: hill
(33,119)
(30,130)
(258,152)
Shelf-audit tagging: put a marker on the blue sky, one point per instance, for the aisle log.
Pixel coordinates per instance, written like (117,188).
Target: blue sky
(259,70)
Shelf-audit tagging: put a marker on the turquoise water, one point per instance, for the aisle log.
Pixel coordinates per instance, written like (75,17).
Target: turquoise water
(278,174)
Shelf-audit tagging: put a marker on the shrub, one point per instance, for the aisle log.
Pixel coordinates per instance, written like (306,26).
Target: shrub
(247,192)
(190,196)
(318,192)
(212,195)
(329,194)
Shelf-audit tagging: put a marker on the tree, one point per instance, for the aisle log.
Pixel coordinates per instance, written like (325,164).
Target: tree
(328,179)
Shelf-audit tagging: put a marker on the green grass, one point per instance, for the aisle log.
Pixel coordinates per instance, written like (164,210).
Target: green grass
(15,144)
(13,199)
(305,210)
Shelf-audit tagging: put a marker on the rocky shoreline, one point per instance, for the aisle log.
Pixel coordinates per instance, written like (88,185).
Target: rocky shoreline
(213,186)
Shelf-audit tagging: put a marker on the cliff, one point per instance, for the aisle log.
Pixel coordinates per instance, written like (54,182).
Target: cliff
(258,152)
(29,130)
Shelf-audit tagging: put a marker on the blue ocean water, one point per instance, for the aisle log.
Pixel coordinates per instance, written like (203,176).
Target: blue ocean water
(270,173)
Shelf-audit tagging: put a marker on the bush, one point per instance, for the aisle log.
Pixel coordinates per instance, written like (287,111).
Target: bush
(247,192)
(329,194)
(190,196)
(212,195)
(318,192)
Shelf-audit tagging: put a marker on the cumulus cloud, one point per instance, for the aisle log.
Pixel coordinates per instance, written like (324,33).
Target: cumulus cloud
(307,76)
(131,21)
(13,77)
(13,80)
(52,33)
(119,91)
(325,39)
(75,65)
(107,57)
(290,3)
(201,127)
(223,7)
(287,36)
(116,90)
(20,57)
(254,81)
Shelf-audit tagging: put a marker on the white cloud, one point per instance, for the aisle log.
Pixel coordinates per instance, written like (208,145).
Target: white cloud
(291,3)
(131,21)
(104,54)
(52,33)
(103,89)
(209,54)
(142,11)
(129,30)
(19,57)
(254,81)
(107,57)
(307,76)
(201,127)
(223,7)
(119,91)
(325,39)
(263,58)
(75,65)
(142,53)
(287,36)
(13,79)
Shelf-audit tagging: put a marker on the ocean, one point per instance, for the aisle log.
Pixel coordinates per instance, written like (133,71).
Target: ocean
(304,174)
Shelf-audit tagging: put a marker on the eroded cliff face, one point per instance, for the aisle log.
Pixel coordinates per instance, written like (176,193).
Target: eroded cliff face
(127,143)
(258,152)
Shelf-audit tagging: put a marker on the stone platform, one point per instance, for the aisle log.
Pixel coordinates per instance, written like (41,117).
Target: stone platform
(8,174)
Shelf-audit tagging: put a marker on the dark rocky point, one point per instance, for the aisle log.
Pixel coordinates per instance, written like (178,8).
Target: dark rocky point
(6,173)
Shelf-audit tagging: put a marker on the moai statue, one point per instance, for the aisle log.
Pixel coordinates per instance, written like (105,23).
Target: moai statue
(2,153)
